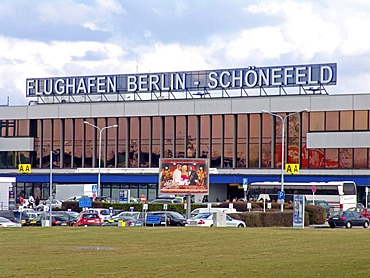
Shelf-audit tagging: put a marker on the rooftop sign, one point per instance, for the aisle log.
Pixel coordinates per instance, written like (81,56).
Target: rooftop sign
(222,79)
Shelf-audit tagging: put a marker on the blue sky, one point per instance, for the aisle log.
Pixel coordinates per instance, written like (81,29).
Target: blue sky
(42,38)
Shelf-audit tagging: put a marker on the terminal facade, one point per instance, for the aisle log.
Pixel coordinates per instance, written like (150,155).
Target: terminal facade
(233,118)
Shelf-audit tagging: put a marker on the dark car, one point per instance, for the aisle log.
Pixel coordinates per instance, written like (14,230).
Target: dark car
(56,220)
(15,216)
(347,219)
(169,218)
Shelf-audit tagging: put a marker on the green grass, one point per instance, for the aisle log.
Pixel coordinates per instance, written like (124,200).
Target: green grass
(183,252)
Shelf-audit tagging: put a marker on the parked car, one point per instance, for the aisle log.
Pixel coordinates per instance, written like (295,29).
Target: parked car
(76,198)
(103,213)
(167,201)
(361,210)
(15,216)
(5,222)
(206,220)
(347,219)
(56,219)
(129,221)
(88,219)
(169,218)
(211,210)
(55,204)
(73,215)
(134,214)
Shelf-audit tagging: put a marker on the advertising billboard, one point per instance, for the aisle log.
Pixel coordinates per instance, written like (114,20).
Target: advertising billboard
(183,176)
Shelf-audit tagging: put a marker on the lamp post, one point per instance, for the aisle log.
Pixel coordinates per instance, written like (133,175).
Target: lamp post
(100,135)
(283,120)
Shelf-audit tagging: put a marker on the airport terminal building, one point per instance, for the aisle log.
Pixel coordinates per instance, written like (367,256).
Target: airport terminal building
(242,120)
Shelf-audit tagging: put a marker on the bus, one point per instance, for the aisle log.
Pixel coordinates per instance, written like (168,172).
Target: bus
(340,195)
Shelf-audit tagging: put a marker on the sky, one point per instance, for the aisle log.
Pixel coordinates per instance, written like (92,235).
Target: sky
(43,38)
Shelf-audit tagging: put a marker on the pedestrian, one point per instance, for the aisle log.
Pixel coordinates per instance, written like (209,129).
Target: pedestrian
(31,202)
(37,201)
(21,200)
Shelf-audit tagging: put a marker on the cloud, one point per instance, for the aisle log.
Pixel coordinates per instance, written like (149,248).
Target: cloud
(77,37)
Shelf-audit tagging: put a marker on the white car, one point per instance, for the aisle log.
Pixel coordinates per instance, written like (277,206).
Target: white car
(55,204)
(103,213)
(5,222)
(197,211)
(206,220)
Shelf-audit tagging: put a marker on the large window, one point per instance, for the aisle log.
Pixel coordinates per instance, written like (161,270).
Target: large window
(267,140)
(228,141)
(169,137)
(204,136)
(217,123)
(192,137)
(180,136)
(241,160)
(122,128)
(254,131)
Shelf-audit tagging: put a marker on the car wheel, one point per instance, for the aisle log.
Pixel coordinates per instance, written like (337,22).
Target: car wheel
(332,226)
(240,226)
(348,225)
(366,224)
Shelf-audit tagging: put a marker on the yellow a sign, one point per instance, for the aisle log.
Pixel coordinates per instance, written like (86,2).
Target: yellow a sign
(24,168)
(292,168)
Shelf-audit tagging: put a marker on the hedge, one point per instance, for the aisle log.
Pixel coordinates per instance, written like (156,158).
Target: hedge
(255,218)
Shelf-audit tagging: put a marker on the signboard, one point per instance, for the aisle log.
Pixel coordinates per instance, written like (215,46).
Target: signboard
(298,211)
(183,176)
(24,168)
(313,188)
(281,195)
(143,199)
(85,202)
(292,169)
(124,196)
(245,184)
(220,79)
(153,220)
(94,188)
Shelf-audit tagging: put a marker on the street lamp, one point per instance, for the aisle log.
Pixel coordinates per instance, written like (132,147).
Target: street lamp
(100,135)
(283,120)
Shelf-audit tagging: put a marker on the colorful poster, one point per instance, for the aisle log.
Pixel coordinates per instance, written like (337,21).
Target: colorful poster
(298,211)
(183,176)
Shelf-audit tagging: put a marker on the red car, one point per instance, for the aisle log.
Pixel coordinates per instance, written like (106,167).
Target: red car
(88,219)
(361,210)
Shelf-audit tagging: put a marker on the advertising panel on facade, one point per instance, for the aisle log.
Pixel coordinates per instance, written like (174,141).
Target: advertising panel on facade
(183,176)
(298,211)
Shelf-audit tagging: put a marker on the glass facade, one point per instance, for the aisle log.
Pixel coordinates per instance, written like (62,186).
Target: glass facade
(230,141)
(245,141)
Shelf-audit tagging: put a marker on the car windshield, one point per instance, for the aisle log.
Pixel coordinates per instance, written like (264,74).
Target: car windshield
(105,212)
(337,213)
(90,215)
(5,220)
(202,216)
(60,218)
(176,214)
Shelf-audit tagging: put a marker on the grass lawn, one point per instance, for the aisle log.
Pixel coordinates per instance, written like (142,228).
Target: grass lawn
(183,252)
